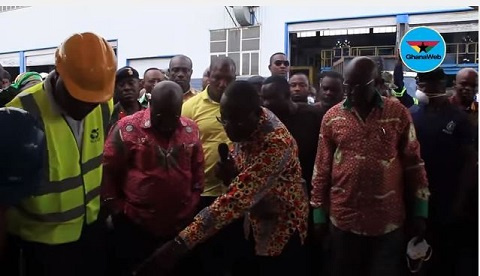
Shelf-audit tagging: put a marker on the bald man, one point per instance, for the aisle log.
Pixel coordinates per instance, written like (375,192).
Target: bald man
(368,173)
(153,164)
(466,87)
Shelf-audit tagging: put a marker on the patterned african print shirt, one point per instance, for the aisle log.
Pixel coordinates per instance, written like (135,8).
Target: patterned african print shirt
(363,168)
(268,190)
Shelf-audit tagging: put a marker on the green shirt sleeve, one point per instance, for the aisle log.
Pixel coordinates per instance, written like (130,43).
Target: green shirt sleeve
(319,216)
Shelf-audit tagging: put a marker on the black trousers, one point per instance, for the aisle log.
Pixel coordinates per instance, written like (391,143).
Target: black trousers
(292,261)
(318,255)
(227,252)
(455,249)
(373,256)
(87,256)
(130,245)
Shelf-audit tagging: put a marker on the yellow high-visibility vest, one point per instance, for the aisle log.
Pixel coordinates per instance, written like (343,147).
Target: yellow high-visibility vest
(69,196)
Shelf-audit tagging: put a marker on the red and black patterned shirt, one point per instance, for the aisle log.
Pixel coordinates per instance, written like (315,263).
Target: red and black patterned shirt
(363,168)
(268,190)
(153,180)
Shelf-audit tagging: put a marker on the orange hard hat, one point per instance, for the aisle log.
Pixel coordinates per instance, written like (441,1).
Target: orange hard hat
(87,65)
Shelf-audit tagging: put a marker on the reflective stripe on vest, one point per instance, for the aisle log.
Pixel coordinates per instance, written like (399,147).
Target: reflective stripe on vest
(69,194)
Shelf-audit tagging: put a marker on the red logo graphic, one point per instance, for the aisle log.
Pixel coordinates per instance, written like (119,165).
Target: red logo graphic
(422,46)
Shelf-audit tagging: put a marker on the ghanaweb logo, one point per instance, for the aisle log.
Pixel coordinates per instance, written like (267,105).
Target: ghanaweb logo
(422,49)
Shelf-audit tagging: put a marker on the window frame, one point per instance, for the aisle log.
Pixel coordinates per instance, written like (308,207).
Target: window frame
(240,52)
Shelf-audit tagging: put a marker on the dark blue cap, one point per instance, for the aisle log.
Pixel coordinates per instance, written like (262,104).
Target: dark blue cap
(125,73)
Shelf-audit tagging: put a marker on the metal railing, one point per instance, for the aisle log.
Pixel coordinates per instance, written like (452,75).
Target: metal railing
(330,56)
(337,66)
(457,53)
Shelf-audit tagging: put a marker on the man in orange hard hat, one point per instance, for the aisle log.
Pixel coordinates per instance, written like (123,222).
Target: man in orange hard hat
(56,230)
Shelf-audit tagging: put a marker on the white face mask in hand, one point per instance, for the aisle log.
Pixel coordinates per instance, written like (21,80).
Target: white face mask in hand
(419,252)
(422,97)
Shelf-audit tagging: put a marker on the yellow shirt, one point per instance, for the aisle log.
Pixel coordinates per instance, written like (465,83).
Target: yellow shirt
(201,109)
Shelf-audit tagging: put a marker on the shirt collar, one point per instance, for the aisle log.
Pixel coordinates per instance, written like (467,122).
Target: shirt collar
(147,123)
(190,93)
(347,104)
(206,97)
(264,126)
(143,99)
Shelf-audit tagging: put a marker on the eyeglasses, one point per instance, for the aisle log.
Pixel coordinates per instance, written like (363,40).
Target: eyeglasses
(349,87)
(280,62)
(228,122)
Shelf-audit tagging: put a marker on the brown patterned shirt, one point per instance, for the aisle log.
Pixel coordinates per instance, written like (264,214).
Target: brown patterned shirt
(268,190)
(363,168)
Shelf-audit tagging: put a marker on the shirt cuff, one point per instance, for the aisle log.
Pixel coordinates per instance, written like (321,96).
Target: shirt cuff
(319,216)
(183,235)
(420,208)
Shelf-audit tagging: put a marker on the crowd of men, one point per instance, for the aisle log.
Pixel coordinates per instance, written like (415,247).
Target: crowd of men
(259,177)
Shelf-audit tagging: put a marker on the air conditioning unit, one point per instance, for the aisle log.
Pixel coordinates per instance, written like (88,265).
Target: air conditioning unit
(243,15)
